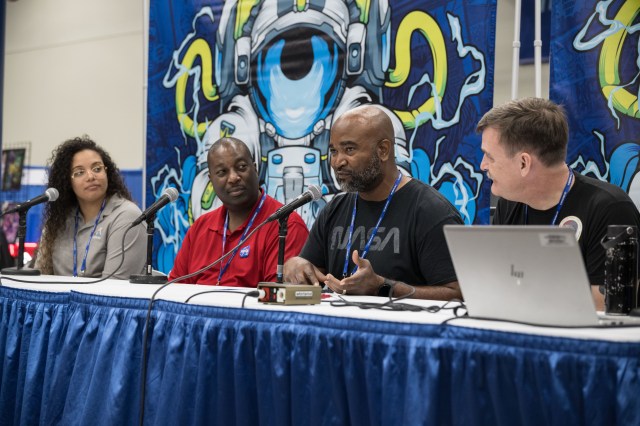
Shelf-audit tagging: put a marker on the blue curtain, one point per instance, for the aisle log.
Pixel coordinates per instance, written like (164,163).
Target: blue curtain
(31,335)
(75,359)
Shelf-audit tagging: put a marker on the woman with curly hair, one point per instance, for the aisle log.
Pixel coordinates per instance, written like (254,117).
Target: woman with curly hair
(83,229)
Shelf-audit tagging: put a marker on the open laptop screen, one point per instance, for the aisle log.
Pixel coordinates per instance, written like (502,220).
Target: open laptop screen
(532,274)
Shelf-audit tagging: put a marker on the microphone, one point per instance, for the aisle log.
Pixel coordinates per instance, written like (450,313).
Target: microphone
(312,193)
(168,196)
(51,194)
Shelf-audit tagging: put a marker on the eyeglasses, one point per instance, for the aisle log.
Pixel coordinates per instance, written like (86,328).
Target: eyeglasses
(98,169)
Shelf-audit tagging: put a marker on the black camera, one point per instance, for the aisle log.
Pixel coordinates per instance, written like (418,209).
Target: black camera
(621,269)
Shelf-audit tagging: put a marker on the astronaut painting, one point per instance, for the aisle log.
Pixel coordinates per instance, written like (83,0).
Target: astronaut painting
(276,74)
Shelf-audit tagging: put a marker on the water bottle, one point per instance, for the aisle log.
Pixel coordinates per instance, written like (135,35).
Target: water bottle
(621,269)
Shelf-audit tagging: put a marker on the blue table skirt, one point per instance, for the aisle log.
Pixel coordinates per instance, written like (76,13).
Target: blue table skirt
(76,359)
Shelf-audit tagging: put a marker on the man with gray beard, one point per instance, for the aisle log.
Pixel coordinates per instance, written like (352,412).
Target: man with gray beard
(385,220)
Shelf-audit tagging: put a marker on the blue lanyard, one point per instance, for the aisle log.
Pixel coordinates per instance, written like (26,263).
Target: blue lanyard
(375,230)
(567,187)
(244,234)
(75,242)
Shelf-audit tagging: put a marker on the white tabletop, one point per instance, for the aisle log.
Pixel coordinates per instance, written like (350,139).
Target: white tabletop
(181,292)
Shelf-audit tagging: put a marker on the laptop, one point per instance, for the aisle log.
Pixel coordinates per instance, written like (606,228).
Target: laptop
(530,274)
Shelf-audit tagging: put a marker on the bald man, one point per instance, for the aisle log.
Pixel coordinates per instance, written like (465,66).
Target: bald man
(244,206)
(385,229)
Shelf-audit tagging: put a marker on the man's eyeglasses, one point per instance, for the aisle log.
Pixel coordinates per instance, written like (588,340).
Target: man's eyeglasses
(98,169)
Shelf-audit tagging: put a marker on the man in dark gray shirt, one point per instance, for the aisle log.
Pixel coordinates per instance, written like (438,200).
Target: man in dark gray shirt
(386,220)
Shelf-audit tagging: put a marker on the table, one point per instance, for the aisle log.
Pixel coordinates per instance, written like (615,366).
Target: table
(73,351)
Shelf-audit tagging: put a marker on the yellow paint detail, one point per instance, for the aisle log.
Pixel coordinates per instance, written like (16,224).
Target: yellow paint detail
(364,6)
(208,196)
(300,5)
(190,212)
(608,72)
(429,29)
(243,12)
(198,49)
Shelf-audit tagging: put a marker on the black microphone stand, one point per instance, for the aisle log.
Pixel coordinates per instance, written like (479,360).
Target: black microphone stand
(147,277)
(282,236)
(286,293)
(22,233)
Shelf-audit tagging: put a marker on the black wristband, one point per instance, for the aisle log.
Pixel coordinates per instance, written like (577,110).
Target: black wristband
(385,288)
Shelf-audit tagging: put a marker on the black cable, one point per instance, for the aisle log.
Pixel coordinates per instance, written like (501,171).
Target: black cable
(148,318)
(253,293)
(10,277)
(607,326)
(393,305)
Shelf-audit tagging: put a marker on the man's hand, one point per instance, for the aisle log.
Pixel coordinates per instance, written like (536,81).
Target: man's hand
(598,298)
(364,281)
(298,270)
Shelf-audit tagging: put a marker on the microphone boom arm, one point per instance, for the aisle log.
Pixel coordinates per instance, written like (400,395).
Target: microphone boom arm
(282,236)
(147,276)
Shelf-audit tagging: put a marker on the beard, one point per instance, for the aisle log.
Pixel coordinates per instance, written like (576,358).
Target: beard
(365,180)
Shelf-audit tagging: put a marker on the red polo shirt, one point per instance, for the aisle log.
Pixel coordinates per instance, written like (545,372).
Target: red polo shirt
(255,261)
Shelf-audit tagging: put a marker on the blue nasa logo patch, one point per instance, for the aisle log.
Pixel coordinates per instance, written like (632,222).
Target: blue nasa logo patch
(244,252)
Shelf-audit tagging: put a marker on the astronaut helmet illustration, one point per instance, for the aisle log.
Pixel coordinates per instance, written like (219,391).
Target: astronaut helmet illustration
(284,70)
(295,59)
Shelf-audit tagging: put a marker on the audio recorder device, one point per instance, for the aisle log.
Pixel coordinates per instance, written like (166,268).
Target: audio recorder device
(289,294)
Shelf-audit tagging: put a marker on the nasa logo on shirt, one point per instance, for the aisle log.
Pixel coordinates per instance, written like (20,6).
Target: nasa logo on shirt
(573,222)
(98,234)
(244,252)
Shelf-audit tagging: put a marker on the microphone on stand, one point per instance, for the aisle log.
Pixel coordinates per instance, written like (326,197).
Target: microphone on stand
(51,194)
(280,292)
(168,196)
(312,193)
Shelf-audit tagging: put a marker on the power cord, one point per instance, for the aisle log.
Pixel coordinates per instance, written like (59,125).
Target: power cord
(145,338)
(252,293)
(393,305)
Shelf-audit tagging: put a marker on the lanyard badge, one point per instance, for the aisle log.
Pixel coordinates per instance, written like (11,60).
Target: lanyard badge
(373,233)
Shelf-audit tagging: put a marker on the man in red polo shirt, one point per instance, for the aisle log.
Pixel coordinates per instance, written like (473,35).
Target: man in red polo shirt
(244,206)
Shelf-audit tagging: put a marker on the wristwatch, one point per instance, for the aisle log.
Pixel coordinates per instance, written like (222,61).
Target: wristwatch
(385,288)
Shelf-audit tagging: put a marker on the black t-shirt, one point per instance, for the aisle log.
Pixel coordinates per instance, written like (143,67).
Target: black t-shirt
(409,245)
(590,207)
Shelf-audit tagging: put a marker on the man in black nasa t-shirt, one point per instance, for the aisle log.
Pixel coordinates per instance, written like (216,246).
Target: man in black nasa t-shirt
(525,147)
(386,228)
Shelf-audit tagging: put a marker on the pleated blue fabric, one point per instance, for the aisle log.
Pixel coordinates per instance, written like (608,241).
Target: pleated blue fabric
(76,359)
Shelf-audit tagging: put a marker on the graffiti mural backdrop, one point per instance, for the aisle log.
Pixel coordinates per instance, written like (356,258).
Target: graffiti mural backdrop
(595,65)
(276,73)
